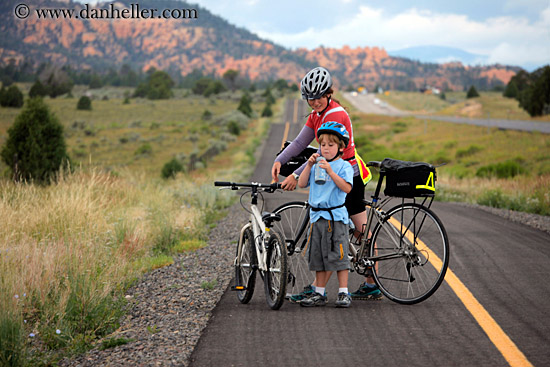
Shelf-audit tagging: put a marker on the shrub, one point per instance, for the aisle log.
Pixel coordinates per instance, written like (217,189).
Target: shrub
(145,149)
(35,148)
(84,103)
(11,97)
(206,115)
(471,150)
(171,169)
(38,90)
(506,169)
(233,128)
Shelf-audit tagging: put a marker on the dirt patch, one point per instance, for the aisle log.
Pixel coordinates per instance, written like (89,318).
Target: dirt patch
(471,109)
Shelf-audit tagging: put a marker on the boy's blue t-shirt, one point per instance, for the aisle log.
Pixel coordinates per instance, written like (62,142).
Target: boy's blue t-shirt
(329,195)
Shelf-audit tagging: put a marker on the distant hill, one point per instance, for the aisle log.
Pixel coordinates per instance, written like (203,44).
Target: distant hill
(211,44)
(439,54)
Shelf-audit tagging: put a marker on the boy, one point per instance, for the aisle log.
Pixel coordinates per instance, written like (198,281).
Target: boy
(328,238)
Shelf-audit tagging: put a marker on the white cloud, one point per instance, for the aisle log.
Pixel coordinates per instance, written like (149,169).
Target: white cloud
(505,39)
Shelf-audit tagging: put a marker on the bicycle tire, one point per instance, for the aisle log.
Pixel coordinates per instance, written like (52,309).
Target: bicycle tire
(276,275)
(293,214)
(416,245)
(245,267)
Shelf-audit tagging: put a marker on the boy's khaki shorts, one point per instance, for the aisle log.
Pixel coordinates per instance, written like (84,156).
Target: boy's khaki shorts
(320,255)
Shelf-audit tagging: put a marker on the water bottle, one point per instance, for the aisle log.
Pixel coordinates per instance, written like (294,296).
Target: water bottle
(320,173)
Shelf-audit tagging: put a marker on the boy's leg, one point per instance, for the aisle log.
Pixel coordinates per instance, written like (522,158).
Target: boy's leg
(344,298)
(343,276)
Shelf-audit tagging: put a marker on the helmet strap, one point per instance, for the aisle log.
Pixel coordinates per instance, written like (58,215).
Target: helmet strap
(323,111)
(340,152)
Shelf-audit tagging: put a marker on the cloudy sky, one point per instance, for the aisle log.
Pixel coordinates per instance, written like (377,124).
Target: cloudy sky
(511,32)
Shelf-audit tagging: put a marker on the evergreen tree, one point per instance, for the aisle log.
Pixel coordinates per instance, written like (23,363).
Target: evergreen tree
(536,98)
(267,111)
(35,148)
(472,92)
(244,105)
(158,86)
(511,90)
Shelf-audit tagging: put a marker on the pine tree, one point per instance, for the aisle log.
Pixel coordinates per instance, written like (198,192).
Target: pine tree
(35,148)
(244,105)
(511,90)
(472,92)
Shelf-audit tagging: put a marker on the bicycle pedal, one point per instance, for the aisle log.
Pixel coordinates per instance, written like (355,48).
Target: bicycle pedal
(238,288)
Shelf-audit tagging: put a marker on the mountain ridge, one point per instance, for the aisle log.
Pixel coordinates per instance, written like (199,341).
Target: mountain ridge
(213,45)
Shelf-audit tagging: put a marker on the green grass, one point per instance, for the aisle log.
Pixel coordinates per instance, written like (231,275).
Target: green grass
(476,161)
(487,105)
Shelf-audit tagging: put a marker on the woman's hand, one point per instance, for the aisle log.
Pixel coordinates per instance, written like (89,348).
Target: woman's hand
(275,171)
(289,184)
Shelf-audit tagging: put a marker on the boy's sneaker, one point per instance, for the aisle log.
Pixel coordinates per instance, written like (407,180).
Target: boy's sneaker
(315,299)
(307,292)
(343,300)
(366,292)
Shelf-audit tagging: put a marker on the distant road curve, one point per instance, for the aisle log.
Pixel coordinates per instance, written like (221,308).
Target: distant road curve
(369,103)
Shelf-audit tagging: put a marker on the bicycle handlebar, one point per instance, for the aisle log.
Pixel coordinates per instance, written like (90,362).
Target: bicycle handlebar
(235,186)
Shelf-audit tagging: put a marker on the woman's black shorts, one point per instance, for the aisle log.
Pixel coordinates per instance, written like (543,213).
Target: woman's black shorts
(354,200)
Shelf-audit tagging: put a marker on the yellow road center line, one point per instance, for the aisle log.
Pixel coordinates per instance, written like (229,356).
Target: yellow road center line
(498,337)
(285,134)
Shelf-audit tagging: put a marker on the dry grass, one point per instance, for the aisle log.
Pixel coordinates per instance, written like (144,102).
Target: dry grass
(68,250)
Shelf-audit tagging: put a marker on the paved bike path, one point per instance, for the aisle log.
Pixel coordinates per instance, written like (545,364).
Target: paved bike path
(502,263)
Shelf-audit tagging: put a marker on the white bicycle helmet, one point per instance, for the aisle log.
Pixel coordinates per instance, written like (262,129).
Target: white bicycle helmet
(316,82)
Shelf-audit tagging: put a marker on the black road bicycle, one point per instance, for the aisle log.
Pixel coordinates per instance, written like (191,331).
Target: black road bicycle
(404,248)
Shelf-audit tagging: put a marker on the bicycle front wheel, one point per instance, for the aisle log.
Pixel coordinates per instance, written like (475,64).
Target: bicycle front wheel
(294,226)
(411,252)
(245,266)
(276,276)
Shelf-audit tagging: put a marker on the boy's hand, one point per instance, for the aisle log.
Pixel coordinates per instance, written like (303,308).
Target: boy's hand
(311,161)
(326,166)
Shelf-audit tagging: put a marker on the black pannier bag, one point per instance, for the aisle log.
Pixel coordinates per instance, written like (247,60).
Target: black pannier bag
(296,161)
(408,179)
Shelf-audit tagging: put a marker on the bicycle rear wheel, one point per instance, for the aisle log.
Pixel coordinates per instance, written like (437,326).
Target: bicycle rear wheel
(245,266)
(294,226)
(275,278)
(411,251)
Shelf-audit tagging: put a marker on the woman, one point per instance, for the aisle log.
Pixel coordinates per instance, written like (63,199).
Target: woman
(316,88)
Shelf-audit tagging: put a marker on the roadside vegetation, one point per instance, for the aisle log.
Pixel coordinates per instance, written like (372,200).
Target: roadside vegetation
(490,104)
(499,168)
(70,249)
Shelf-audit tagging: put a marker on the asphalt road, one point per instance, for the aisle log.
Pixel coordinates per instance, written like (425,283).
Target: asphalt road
(368,103)
(492,309)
